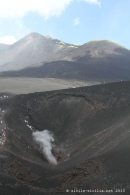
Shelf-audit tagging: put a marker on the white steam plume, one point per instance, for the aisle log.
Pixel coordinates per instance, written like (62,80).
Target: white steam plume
(45,139)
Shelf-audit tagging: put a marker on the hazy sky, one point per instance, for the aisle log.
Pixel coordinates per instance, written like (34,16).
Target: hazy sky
(71,21)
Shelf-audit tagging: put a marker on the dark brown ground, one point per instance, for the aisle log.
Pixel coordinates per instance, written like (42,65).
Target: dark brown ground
(92,141)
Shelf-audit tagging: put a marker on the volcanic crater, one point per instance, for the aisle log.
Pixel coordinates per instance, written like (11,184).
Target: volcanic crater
(91,133)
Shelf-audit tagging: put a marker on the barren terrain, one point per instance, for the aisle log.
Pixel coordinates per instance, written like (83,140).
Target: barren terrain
(91,126)
(22,85)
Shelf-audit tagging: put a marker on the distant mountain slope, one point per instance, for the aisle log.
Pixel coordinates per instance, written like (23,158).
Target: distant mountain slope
(39,56)
(30,50)
(98,49)
(74,70)
(3,47)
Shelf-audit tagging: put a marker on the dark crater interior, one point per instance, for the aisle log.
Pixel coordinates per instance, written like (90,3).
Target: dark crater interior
(91,128)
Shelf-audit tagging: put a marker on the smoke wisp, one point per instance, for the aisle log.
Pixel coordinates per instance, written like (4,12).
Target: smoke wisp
(45,139)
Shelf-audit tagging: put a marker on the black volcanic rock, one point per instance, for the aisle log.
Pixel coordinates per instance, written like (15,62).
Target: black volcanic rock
(110,70)
(91,128)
